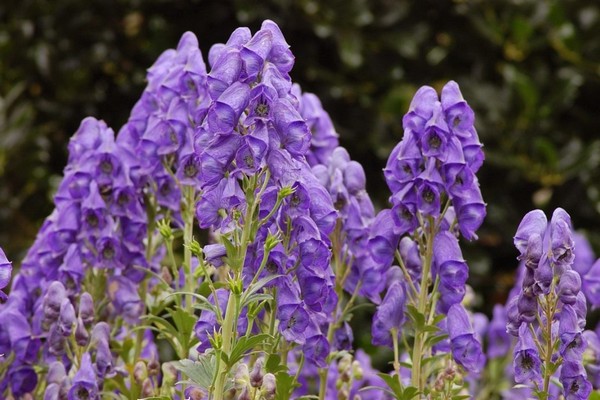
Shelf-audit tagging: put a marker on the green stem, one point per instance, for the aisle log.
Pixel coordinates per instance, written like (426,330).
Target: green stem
(394,333)
(420,336)
(188,229)
(227,338)
(549,310)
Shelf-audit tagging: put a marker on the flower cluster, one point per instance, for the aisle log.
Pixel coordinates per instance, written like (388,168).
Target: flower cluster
(436,162)
(549,311)
(227,226)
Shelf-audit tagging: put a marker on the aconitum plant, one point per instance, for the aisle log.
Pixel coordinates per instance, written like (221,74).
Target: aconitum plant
(218,246)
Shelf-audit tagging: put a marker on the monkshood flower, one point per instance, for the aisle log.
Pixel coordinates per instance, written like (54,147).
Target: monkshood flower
(574,381)
(437,158)
(527,363)
(466,348)
(550,291)
(499,340)
(85,384)
(389,316)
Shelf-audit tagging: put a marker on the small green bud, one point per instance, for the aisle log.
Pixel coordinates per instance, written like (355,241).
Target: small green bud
(357,371)
(164,228)
(236,286)
(195,248)
(285,192)
(271,242)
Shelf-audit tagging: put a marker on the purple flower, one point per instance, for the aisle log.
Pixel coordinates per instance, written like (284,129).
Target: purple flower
(584,254)
(591,284)
(499,341)
(561,238)
(451,268)
(293,321)
(85,385)
(527,363)
(466,349)
(125,298)
(389,315)
(572,344)
(574,381)
(534,222)
(568,286)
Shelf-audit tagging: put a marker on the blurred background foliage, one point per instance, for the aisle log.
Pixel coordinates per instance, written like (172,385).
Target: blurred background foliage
(529,68)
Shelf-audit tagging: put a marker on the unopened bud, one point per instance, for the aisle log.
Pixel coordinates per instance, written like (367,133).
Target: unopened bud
(245,394)
(195,393)
(345,363)
(82,337)
(147,388)
(242,376)
(357,371)
(153,367)
(140,371)
(67,318)
(86,308)
(256,376)
(56,372)
(169,374)
(166,276)
(55,294)
(269,386)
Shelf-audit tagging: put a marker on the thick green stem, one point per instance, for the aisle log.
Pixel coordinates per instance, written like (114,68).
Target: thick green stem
(188,229)
(420,336)
(227,332)
(549,311)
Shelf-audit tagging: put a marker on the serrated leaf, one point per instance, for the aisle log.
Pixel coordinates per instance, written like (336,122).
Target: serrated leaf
(200,372)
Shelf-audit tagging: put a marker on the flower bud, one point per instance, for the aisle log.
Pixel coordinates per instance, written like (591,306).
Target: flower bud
(147,388)
(56,342)
(256,376)
(166,276)
(67,318)
(52,392)
(268,386)
(52,301)
(244,394)
(140,371)
(56,372)
(194,393)
(569,286)
(242,376)
(86,308)
(153,367)
(82,337)
(357,371)
(169,373)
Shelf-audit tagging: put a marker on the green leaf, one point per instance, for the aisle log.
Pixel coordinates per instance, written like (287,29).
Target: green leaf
(256,298)
(203,301)
(393,384)
(245,344)
(273,364)
(417,317)
(200,372)
(433,340)
(285,384)
(409,393)
(461,397)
